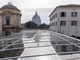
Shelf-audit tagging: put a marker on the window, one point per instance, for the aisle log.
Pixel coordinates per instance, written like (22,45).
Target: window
(7,22)
(53,17)
(56,24)
(74,23)
(56,15)
(74,14)
(7,18)
(62,23)
(63,14)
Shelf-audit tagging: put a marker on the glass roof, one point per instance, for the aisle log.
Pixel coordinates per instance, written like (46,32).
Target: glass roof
(42,45)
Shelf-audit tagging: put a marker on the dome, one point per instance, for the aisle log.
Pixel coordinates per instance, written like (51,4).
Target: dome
(9,6)
(36,19)
(36,16)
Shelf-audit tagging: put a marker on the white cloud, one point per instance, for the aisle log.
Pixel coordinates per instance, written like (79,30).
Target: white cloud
(27,7)
(42,12)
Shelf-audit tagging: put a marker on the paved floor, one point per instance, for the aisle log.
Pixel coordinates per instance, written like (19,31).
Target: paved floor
(38,47)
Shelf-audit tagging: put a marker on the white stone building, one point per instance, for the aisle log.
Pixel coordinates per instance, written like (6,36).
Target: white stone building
(66,19)
(36,19)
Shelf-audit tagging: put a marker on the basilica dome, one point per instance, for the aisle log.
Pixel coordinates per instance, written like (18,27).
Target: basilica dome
(9,6)
(36,19)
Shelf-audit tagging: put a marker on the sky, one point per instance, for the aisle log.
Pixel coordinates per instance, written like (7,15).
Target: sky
(43,7)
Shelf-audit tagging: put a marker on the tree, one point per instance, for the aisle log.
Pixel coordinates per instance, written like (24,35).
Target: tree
(43,26)
(30,25)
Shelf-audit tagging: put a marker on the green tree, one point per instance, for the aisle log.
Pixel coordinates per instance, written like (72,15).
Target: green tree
(30,25)
(43,26)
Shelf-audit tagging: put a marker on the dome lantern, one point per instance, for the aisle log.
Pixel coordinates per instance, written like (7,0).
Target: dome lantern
(9,3)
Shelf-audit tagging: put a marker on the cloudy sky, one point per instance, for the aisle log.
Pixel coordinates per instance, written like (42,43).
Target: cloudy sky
(43,7)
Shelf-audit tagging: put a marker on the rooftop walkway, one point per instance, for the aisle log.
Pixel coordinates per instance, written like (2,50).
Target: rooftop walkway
(39,45)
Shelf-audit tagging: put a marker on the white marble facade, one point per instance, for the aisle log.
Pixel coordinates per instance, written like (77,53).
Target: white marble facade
(70,19)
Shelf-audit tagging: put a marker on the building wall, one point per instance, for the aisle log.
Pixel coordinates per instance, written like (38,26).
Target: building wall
(15,16)
(59,44)
(0,25)
(15,21)
(4,20)
(53,21)
(68,29)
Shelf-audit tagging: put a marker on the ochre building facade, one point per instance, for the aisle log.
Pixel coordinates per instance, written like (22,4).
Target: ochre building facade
(10,19)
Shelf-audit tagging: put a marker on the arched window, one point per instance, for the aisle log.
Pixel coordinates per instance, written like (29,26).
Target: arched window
(7,18)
